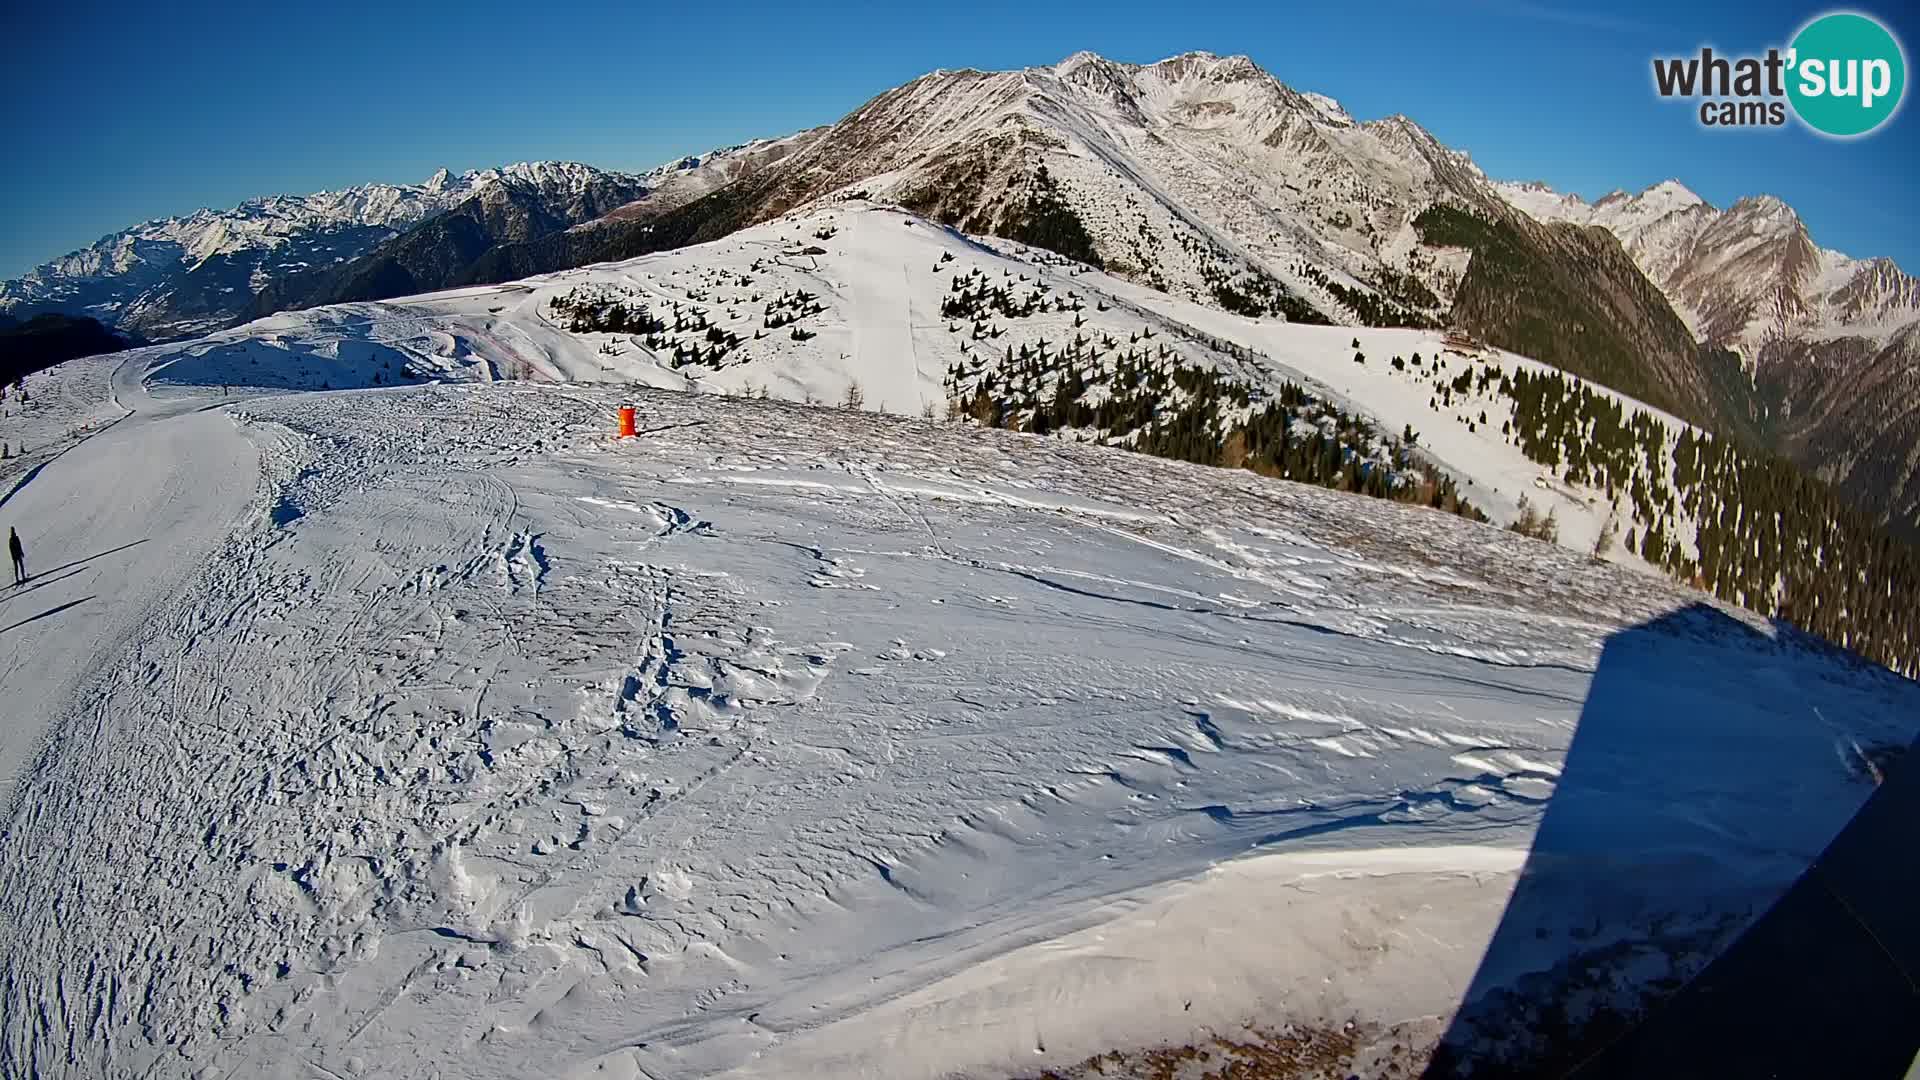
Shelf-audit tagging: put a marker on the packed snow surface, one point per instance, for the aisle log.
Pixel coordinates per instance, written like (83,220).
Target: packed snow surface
(434,731)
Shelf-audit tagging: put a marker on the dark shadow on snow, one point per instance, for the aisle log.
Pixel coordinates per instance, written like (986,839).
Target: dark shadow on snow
(46,613)
(84,561)
(25,479)
(35,584)
(1827,983)
(1695,791)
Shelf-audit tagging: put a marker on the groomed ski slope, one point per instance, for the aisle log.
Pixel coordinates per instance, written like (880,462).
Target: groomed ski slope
(798,741)
(117,506)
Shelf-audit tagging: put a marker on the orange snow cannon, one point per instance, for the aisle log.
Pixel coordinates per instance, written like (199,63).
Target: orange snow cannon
(626,421)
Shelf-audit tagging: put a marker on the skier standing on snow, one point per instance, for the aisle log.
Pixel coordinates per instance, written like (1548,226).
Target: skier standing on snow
(19,556)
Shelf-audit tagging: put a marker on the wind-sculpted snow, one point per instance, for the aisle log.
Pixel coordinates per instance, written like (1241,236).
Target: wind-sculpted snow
(803,740)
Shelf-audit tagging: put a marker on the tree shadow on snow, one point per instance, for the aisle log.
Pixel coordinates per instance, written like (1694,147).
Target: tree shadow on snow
(1711,765)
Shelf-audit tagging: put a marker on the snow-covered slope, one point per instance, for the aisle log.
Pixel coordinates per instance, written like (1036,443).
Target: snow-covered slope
(50,411)
(875,280)
(681,181)
(784,741)
(180,275)
(1197,173)
(1211,180)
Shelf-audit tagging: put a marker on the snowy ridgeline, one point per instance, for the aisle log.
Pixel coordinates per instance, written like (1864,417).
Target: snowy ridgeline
(201,272)
(856,303)
(804,741)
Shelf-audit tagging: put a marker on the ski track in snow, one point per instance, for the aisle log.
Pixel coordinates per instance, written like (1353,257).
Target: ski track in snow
(883,340)
(488,745)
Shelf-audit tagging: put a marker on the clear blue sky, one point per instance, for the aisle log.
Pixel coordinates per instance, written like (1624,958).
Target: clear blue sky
(118,112)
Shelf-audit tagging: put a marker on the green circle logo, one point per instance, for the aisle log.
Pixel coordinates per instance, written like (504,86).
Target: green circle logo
(1848,74)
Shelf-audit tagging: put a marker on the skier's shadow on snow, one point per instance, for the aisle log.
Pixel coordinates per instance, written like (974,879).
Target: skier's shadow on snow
(47,614)
(20,590)
(90,558)
(1679,814)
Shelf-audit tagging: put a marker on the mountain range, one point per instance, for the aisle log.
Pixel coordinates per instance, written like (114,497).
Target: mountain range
(182,276)
(1202,176)
(1831,343)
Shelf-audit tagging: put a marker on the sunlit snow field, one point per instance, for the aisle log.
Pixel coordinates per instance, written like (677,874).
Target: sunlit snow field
(475,741)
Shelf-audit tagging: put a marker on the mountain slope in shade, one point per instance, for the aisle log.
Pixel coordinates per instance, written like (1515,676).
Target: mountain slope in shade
(1832,343)
(1847,408)
(46,340)
(1744,276)
(437,252)
(460,245)
(1569,295)
(183,275)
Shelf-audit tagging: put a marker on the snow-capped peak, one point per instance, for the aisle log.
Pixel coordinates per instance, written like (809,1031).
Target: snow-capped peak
(1190,57)
(1673,193)
(554,175)
(1096,73)
(127,278)
(1328,108)
(1205,65)
(1540,200)
(1766,208)
(1721,268)
(1078,60)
